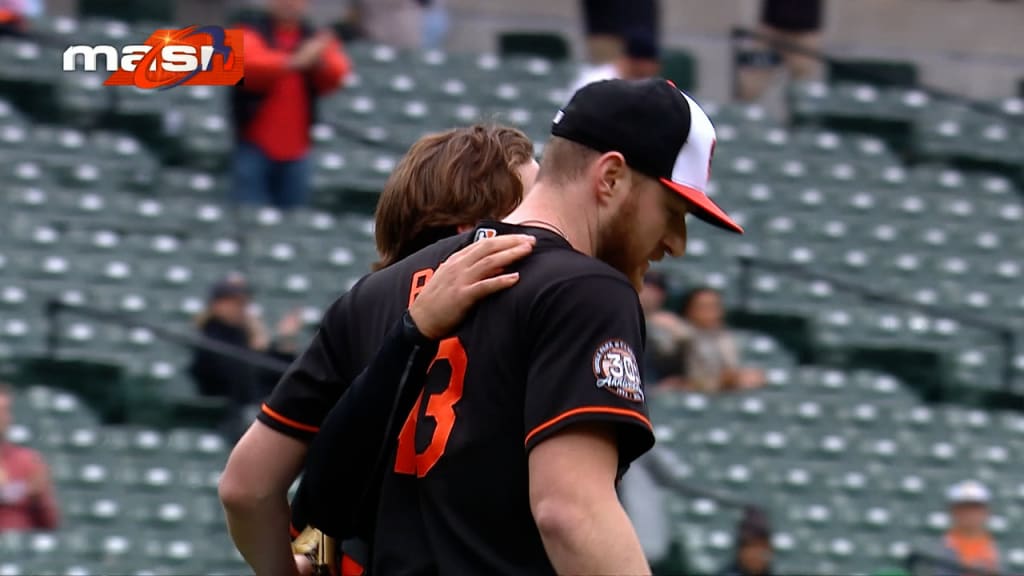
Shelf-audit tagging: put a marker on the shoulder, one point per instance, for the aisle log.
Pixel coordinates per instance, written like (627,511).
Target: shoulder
(430,257)
(395,280)
(562,285)
(557,269)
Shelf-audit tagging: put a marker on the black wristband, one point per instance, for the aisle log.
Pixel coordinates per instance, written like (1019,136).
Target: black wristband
(411,332)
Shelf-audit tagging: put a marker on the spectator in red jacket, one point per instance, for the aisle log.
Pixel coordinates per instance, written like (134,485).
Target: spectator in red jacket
(12,18)
(27,500)
(288,67)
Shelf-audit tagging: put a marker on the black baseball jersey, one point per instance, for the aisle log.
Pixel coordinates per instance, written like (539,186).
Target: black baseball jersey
(558,348)
(350,333)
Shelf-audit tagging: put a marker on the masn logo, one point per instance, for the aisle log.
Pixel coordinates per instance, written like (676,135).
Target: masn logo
(207,55)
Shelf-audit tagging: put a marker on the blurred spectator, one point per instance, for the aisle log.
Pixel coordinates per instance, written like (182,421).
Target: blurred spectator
(753,547)
(12,18)
(968,540)
(712,356)
(288,67)
(435,25)
(607,23)
(694,351)
(640,59)
(398,23)
(228,319)
(665,350)
(27,500)
(795,22)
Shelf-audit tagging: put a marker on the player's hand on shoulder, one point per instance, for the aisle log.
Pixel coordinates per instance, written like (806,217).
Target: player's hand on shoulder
(469,275)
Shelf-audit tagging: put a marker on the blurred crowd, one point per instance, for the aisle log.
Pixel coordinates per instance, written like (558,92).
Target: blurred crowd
(692,348)
(290,65)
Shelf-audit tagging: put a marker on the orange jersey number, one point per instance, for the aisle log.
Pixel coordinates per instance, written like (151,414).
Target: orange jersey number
(440,407)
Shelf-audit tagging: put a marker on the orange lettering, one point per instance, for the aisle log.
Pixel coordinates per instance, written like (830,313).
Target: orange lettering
(440,407)
(419,282)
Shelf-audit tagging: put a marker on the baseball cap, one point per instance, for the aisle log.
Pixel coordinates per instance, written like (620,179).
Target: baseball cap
(968,492)
(232,286)
(658,129)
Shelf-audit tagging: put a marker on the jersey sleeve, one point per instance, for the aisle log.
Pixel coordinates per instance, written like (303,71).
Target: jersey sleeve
(315,380)
(587,336)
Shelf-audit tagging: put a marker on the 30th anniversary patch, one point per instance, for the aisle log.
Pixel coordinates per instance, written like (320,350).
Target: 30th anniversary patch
(616,370)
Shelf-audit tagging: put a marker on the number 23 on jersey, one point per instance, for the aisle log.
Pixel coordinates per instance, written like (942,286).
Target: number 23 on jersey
(440,407)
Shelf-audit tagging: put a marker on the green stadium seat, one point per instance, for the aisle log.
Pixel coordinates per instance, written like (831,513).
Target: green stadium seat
(197,444)
(81,98)
(546,44)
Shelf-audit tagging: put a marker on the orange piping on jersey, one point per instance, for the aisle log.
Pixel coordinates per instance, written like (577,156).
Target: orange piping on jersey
(350,567)
(288,421)
(588,410)
(295,532)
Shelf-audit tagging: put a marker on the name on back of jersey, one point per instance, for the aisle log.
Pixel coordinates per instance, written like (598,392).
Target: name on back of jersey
(617,371)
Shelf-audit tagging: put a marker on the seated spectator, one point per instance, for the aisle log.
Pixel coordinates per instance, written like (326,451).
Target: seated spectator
(227,319)
(753,547)
(712,355)
(710,360)
(640,59)
(665,350)
(27,500)
(968,540)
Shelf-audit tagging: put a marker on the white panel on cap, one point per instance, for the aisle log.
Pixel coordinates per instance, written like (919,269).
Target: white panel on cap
(693,163)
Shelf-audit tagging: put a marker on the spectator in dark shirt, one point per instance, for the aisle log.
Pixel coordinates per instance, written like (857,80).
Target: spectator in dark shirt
(640,59)
(753,547)
(27,499)
(288,67)
(665,350)
(794,22)
(227,319)
(607,23)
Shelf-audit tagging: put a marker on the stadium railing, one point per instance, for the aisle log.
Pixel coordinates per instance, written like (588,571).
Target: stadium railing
(55,309)
(1004,334)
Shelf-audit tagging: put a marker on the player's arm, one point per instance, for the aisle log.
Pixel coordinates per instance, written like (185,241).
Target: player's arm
(575,505)
(254,486)
(254,493)
(585,421)
(345,454)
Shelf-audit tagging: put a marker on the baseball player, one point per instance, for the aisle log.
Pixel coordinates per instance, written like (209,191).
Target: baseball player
(434,192)
(508,461)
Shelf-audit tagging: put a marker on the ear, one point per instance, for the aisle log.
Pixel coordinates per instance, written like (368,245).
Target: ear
(610,177)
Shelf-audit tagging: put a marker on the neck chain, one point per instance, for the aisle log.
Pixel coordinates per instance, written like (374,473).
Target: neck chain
(547,225)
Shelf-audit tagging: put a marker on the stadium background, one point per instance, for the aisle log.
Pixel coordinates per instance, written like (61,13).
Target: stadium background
(879,283)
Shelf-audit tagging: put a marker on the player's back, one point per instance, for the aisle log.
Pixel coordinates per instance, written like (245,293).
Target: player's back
(349,336)
(556,349)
